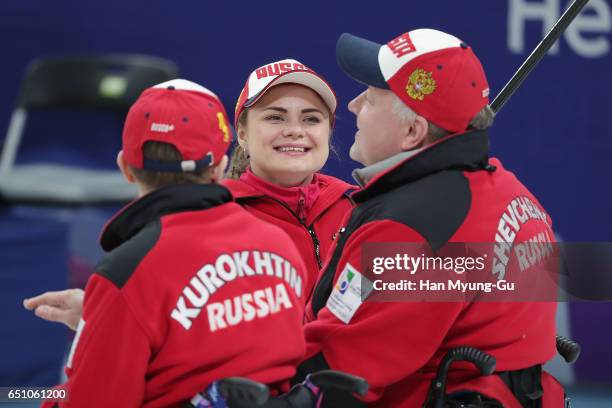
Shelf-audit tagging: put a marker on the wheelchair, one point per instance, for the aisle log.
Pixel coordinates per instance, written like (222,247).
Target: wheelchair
(520,382)
(239,392)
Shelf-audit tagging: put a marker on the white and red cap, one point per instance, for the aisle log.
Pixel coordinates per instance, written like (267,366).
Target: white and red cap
(183,114)
(436,74)
(287,71)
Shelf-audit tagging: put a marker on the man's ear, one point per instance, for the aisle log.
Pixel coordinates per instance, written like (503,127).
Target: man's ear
(125,168)
(216,172)
(416,134)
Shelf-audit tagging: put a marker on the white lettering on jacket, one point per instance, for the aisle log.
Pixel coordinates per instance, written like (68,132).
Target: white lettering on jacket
(518,212)
(227,268)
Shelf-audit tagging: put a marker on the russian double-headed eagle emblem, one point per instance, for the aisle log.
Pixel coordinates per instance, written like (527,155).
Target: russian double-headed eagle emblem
(420,84)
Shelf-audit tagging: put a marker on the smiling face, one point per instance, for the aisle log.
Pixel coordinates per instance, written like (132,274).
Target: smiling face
(286,135)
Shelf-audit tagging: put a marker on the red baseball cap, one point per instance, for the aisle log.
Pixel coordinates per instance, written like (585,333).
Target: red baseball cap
(184,114)
(436,74)
(287,71)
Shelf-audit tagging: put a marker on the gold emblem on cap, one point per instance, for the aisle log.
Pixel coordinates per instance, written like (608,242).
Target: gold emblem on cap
(420,84)
(223,127)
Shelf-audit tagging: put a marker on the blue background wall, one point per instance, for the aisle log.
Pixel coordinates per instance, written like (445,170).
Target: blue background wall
(554,133)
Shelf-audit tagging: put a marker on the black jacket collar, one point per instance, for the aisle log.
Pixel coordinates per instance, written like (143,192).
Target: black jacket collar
(467,151)
(167,200)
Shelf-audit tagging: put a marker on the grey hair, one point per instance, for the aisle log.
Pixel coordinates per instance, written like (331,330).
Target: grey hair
(483,119)
(402,111)
(405,114)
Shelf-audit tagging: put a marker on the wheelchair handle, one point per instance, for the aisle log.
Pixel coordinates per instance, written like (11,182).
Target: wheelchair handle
(336,380)
(244,390)
(569,349)
(483,361)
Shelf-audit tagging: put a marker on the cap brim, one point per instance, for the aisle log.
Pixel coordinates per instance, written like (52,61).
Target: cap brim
(305,78)
(358,58)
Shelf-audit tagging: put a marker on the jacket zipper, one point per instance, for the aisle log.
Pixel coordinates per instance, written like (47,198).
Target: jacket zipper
(317,245)
(311,231)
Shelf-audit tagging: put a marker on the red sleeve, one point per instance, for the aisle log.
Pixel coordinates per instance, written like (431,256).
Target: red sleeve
(110,353)
(382,342)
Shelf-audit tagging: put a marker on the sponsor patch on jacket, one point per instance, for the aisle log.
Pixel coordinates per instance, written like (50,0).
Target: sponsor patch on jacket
(347,295)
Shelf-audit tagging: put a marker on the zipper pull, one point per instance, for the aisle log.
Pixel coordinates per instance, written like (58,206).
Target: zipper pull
(300,211)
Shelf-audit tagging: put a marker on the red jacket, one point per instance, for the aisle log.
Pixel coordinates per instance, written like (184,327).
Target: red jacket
(449,192)
(312,237)
(184,297)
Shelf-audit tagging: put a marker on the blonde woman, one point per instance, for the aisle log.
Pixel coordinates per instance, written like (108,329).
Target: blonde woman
(284,119)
